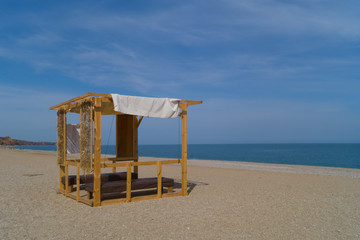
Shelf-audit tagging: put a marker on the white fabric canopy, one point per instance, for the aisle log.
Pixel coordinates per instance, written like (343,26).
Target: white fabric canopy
(145,106)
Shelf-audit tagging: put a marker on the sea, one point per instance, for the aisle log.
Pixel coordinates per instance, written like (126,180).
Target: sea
(328,155)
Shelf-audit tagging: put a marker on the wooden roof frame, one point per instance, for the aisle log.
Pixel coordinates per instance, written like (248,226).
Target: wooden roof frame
(103,105)
(74,102)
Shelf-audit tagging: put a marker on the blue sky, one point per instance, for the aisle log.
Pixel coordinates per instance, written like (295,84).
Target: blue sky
(267,71)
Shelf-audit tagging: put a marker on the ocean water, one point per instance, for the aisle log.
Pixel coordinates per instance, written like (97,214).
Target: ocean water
(329,155)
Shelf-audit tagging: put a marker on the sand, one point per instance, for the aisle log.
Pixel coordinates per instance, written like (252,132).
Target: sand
(238,201)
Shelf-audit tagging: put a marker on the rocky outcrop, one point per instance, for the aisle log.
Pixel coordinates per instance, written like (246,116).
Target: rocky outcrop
(8,141)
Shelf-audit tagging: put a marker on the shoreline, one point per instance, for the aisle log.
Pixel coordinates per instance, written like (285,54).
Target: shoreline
(267,167)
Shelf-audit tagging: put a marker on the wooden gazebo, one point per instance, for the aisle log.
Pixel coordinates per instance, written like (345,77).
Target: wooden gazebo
(91,106)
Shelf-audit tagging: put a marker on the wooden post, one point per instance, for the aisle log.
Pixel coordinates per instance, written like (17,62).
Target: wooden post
(65,139)
(135,144)
(128,183)
(62,174)
(78,182)
(184,149)
(97,152)
(92,141)
(62,167)
(114,168)
(66,178)
(159,180)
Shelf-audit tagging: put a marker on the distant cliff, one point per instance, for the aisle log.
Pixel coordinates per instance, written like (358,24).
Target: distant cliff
(8,141)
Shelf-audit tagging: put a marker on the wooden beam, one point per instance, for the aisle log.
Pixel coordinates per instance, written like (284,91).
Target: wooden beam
(70,195)
(79,98)
(110,165)
(119,159)
(139,121)
(86,201)
(69,101)
(97,153)
(72,105)
(72,163)
(106,98)
(190,102)
(122,200)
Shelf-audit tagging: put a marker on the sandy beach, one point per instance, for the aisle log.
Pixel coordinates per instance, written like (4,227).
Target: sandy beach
(227,200)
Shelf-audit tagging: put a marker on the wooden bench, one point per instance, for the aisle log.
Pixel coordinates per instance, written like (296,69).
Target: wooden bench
(105,177)
(136,184)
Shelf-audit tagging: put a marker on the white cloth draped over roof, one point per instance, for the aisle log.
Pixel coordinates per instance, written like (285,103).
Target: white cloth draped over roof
(146,106)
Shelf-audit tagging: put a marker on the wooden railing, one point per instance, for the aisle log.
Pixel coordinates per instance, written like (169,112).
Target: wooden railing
(128,165)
